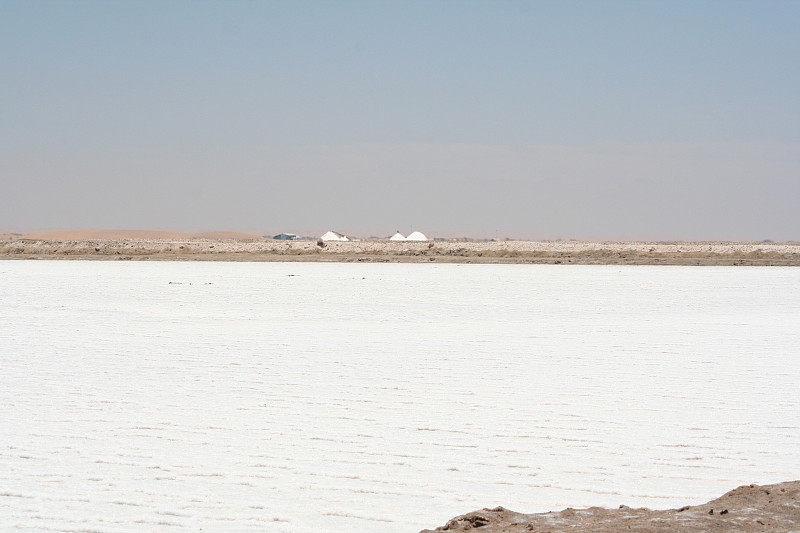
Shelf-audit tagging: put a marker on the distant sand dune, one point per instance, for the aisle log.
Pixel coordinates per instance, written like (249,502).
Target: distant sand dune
(108,234)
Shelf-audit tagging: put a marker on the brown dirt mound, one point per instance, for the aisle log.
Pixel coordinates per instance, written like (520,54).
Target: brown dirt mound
(749,508)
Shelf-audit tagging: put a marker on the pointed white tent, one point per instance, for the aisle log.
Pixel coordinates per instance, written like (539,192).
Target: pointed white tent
(416,236)
(397,237)
(333,236)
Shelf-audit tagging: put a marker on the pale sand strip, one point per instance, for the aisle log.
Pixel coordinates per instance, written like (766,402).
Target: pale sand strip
(560,252)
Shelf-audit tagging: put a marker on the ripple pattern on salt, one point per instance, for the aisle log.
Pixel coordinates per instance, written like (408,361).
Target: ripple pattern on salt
(385,398)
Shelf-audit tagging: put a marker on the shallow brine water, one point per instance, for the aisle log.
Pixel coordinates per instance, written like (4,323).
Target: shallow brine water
(384,398)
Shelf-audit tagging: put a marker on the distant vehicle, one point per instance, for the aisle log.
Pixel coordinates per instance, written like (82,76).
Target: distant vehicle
(287,237)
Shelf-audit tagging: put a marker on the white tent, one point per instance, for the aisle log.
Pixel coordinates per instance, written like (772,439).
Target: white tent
(397,237)
(416,236)
(333,236)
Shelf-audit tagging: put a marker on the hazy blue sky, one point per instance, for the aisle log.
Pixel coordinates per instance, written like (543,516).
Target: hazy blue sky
(618,120)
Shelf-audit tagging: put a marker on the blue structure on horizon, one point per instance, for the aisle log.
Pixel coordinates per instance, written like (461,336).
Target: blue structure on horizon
(287,237)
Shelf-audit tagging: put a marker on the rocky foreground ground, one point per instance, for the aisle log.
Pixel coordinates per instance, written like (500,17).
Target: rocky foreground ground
(544,252)
(749,508)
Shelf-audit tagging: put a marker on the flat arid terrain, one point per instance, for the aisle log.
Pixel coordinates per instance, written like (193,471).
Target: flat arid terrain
(230,246)
(749,508)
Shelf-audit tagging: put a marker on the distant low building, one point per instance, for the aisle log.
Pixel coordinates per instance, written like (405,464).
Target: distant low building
(286,237)
(333,236)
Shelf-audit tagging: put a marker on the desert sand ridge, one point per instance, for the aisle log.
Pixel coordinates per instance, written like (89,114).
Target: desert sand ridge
(198,247)
(749,508)
(106,234)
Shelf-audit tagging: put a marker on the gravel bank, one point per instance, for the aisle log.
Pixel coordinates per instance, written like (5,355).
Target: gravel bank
(561,252)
